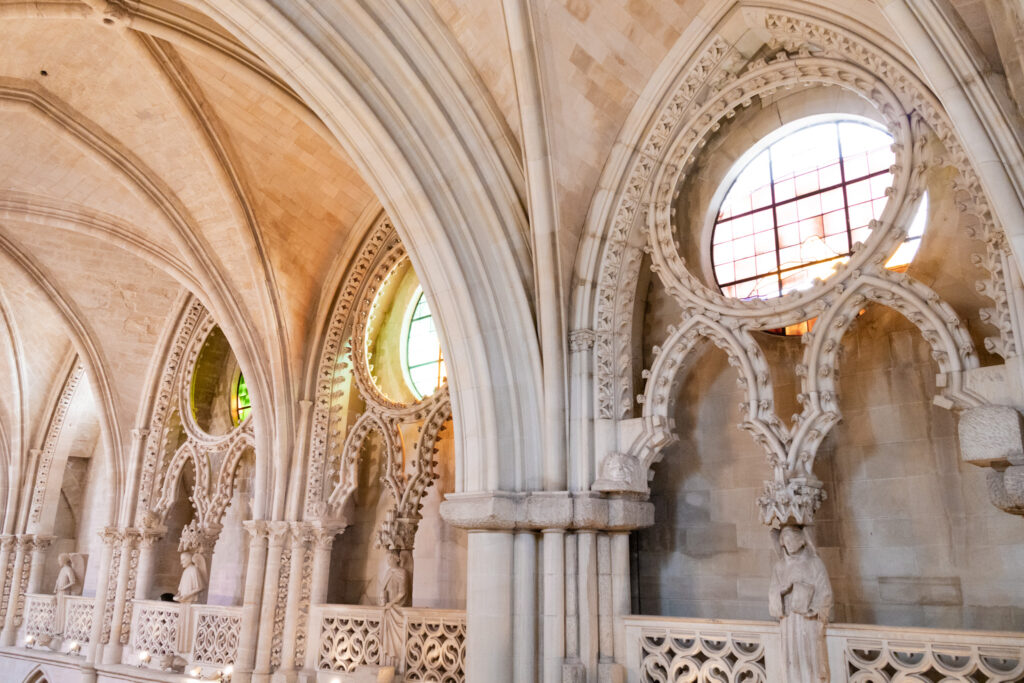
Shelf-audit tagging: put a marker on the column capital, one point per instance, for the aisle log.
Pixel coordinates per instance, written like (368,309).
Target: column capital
(42,542)
(301,534)
(323,534)
(110,535)
(257,528)
(26,542)
(277,533)
(7,541)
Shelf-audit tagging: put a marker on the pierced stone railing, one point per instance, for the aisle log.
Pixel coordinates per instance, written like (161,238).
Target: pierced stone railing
(873,653)
(78,612)
(435,645)
(213,633)
(351,638)
(156,632)
(171,635)
(40,617)
(665,650)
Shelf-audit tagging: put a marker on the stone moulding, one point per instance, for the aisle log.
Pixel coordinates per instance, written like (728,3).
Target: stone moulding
(807,53)
(53,432)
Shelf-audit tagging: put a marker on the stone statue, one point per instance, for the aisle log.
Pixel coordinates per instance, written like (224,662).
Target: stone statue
(800,596)
(395,594)
(68,578)
(193,577)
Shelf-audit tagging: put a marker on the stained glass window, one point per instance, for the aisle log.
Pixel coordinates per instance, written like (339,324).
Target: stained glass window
(422,357)
(797,208)
(240,403)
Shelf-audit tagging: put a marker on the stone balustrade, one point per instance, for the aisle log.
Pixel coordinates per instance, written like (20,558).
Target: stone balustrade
(60,623)
(351,638)
(661,649)
(170,635)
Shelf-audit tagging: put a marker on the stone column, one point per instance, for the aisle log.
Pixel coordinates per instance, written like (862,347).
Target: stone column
(489,637)
(110,536)
(10,629)
(255,565)
(7,543)
(301,534)
(553,627)
(38,566)
(144,572)
(587,598)
(277,535)
(525,607)
(112,650)
(323,541)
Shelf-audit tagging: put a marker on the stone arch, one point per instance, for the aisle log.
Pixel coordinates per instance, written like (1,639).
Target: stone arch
(37,676)
(474,228)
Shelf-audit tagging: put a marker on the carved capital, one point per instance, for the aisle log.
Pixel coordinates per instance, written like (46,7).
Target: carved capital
(791,502)
(257,528)
(42,542)
(323,535)
(26,543)
(7,541)
(301,534)
(277,533)
(110,535)
(582,340)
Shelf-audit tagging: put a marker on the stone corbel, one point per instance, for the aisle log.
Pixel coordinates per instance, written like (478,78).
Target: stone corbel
(790,502)
(993,437)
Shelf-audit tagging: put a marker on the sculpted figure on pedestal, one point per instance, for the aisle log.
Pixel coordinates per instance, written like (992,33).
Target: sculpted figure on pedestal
(69,577)
(800,596)
(193,578)
(395,594)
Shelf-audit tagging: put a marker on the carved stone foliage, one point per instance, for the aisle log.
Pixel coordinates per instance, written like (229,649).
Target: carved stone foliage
(53,431)
(711,90)
(694,656)
(213,458)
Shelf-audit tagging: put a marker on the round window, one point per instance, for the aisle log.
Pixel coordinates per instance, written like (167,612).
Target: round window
(422,360)
(799,205)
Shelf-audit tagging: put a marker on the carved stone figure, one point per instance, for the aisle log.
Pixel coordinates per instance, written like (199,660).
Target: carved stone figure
(193,577)
(395,594)
(67,579)
(800,596)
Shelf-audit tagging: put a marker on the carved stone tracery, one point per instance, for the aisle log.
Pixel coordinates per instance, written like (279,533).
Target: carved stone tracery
(806,54)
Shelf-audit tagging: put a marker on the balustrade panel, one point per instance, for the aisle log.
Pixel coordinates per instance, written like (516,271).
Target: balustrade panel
(40,615)
(156,628)
(215,633)
(78,612)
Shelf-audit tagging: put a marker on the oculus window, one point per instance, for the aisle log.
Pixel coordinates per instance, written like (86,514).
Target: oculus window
(796,209)
(422,359)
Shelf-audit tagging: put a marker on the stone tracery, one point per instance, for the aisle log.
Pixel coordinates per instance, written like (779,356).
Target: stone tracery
(334,448)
